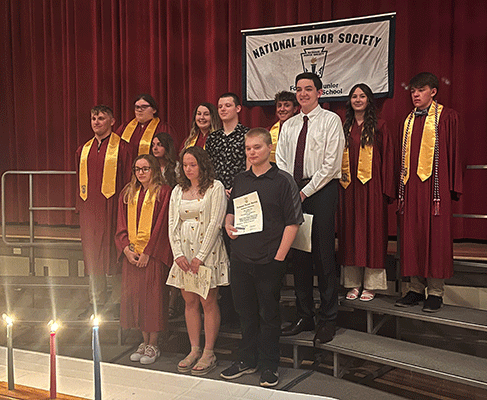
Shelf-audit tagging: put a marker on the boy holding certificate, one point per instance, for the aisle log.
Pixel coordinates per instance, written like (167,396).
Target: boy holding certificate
(266,207)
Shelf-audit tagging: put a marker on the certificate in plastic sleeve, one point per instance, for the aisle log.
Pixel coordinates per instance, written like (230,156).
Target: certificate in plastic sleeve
(248,214)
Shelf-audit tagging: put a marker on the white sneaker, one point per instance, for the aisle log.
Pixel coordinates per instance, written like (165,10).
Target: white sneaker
(139,353)
(151,354)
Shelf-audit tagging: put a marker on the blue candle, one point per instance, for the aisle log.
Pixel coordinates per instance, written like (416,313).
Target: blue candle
(10,352)
(96,358)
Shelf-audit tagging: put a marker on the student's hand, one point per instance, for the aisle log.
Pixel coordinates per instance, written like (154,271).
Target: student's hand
(230,229)
(303,196)
(228,192)
(132,257)
(143,260)
(182,263)
(195,265)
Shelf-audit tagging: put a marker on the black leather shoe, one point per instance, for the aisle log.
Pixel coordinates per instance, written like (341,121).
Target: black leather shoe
(411,299)
(297,327)
(325,332)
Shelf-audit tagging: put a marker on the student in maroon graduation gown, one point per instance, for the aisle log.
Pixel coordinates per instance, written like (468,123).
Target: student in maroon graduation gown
(431,177)
(286,107)
(205,120)
(197,209)
(140,130)
(103,168)
(367,184)
(163,150)
(142,237)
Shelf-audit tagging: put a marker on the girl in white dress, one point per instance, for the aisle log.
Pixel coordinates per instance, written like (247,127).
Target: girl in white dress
(196,213)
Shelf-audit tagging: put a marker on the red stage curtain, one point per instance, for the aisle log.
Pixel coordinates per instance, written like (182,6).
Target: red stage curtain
(59,58)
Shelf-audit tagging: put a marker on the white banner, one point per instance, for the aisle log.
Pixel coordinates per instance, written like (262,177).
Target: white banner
(342,53)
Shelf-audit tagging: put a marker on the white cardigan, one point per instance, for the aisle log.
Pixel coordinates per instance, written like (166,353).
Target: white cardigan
(212,216)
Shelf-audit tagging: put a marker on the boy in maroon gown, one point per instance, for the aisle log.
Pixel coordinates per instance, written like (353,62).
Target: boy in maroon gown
(431,177)
(103,166)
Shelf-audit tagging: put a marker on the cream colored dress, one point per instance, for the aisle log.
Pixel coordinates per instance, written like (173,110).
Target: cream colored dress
(195,230)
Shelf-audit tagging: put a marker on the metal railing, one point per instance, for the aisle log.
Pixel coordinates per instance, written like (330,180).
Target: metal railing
(476,216)
(31,244)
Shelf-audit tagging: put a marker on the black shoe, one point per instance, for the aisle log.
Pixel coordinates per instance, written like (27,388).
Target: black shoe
(325,332)
(269,378)
(237,369)
(433,304)
(87,313)
(297,327)
(411,299)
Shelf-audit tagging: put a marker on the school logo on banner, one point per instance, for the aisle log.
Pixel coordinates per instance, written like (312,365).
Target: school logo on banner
(314,60)
(342,53)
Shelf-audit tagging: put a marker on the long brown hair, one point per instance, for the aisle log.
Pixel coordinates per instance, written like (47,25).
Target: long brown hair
(370,117)
(215,122)
(169,157)
(207,173)
(130,190)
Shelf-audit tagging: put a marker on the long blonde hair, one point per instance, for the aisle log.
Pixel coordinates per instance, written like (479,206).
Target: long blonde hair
(215,122)
(130,190)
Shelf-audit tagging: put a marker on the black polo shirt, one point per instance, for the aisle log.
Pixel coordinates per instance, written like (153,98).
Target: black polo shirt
(281,206)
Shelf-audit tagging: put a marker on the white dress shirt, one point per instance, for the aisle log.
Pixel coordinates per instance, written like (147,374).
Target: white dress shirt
(323,152)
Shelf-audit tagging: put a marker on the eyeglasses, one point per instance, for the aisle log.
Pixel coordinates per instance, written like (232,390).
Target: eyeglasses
(144,170)
(143,107)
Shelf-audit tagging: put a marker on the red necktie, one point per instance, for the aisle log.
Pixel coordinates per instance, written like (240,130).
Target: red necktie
(299,159)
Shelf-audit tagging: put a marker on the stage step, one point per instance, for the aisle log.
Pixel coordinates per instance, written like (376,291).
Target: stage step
(466,318)
(439,363)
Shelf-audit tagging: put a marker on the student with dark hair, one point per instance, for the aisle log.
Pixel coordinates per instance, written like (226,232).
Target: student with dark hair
(197,210)
(163,150)
(367,186)
(430,178)
(311,147)
(139,131)
(257,260)
(143,245)
(226,148)
(286,107)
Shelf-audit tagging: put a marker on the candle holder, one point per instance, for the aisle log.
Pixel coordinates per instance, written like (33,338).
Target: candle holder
(54,326)
(10,351)
(96,356)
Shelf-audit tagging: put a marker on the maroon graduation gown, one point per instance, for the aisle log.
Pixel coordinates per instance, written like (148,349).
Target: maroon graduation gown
(144,292)
(362,208)
(426,240)
(97,214)
(139,132)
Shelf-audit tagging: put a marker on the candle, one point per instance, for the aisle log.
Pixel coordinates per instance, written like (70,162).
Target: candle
(96,357)
(54,326)
(10,351)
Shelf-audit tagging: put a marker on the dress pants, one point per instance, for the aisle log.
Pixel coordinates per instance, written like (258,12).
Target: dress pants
(256,294)
(323,206)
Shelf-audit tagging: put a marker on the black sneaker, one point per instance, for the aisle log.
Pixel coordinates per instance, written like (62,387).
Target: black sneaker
(269,378)
(236,370)
(411,299)
(433,304)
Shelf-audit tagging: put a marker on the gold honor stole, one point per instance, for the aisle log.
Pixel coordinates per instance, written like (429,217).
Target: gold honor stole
(146,139)
(194,140)
(275,137)
(139,236)
(109,179)
(364,168)
(427,149)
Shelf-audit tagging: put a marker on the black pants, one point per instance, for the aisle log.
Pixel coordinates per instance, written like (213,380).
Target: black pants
(323,206)
(256,294)
(227,308)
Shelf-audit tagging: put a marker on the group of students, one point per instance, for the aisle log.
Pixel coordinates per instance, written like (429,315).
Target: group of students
(171,214)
